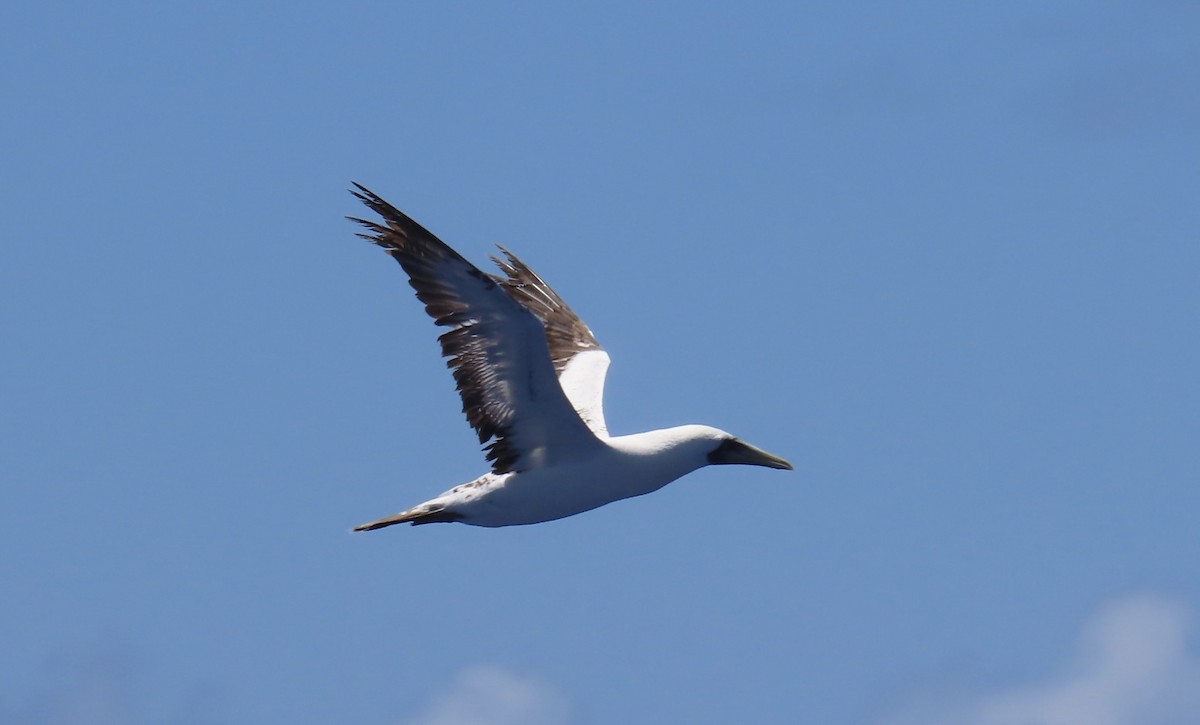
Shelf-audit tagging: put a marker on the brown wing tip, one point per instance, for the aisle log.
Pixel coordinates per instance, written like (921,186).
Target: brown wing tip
(375,202)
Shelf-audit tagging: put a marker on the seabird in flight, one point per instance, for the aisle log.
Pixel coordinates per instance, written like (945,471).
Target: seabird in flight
(531,377)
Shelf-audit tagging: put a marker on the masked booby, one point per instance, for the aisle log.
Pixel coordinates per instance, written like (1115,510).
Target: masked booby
(531,377)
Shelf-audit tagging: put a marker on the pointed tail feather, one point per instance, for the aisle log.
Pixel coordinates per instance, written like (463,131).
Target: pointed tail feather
(416,516)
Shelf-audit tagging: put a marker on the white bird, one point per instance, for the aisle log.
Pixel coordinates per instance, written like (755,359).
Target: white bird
(531,377)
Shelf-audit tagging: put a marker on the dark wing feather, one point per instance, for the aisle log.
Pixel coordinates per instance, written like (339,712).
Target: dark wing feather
(566,334)
(496,347)
(567,337)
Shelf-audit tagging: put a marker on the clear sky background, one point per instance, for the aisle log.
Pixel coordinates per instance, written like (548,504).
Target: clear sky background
(943,256)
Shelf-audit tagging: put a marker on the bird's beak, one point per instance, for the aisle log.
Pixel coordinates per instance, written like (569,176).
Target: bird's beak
(737,451)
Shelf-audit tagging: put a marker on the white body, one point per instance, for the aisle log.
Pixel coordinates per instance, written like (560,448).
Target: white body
(624,467)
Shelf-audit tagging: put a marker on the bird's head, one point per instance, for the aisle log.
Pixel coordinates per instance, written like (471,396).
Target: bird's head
(731,449)
(721,448)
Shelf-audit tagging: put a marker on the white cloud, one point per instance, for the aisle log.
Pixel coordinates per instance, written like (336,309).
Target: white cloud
(1132,667)
(488,695)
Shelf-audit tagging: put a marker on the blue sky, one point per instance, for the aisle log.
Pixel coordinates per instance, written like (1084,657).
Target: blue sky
(943,257)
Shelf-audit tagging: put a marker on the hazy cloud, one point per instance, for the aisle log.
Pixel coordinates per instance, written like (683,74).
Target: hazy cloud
(488,695)
(91,688)
(110,684)
(1132,666)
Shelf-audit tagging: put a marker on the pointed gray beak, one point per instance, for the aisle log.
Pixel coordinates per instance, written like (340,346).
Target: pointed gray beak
(737,451)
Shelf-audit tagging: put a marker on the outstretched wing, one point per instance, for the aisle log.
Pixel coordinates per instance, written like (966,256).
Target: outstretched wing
(496,347)
(579,360)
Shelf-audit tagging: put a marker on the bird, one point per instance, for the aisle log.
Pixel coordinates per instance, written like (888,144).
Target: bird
(531,377)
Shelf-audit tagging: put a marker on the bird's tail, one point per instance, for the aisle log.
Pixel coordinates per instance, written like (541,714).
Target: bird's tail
(423,514)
